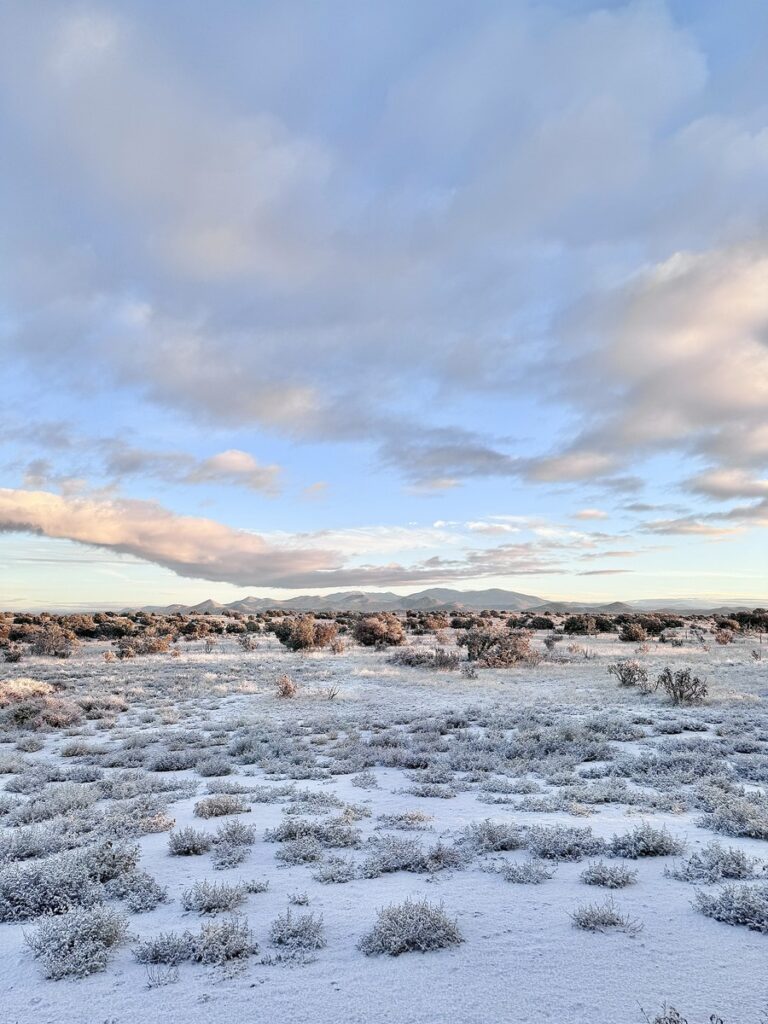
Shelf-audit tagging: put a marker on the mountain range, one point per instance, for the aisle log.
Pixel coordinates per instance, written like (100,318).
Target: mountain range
(440,599)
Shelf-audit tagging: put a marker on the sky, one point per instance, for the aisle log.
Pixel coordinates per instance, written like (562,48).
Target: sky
(301,297)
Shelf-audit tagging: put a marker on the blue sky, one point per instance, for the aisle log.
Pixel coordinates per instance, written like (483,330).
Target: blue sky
(301,297)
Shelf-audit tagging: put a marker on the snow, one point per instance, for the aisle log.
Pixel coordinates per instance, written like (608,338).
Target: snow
(522,960)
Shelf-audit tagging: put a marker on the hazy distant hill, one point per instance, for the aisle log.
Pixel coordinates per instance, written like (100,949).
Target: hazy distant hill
(443,599)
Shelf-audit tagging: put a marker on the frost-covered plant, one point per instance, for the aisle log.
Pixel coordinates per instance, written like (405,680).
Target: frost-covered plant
(406,821)
(170,948)
(213,897)
(739,816)
(563,842)
(335,870)
(219,805)
(304,850)
(737,904)
(629,672)
(411,926)
(189,842)
(211,767)
(78,942)
(682,687)
(139,891)
(713,863)
(493,836)
(646,841)
(222,941)
(609,876)
(52,885)
(604,917)
(527,872)
(297,932)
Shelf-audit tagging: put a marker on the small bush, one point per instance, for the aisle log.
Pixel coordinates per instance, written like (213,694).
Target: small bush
(297,932)
(609,876)
(219,805)
(529,872)
(52,885)
(169,948)
(139,891)
(222,941)
(411,926)
(713,864)
(646,841)
(681,687)
(493,836)
(563,842)
(384,630)
(632,633)
(212,767)
(78,942)
(629,673)
(286,687)
(335,871)
(604,917)
(189,842)
(737,904)
(213,897)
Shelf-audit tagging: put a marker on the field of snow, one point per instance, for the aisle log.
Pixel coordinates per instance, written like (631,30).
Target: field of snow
(546,749)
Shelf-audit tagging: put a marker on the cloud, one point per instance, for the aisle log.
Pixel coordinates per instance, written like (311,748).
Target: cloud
(727,483)
(590,513)
(687,525)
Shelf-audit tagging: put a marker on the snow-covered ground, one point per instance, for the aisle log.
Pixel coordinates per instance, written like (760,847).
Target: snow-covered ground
(561,729)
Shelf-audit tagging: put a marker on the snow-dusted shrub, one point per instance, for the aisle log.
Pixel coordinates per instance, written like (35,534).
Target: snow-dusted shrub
(392,853)
(713,863)
(646,841)
(383,630)
(406,821)
(189,842)
(563,842)
(527,872)
(235,833)
(213,897)
(629,672)
(297,932)
(170,948)
(365,779)
(106,861)
(211,767)
(609,876)
(431,790)
(304,850)
(335,871)
(737,904)
(52,885)
(139,891)
(286,687)
(78,942)
(493,836)
(604,917)
(62,799)
(739,816)
(172,761)
(411,926)
(222,941)
(219,805)
(681,687)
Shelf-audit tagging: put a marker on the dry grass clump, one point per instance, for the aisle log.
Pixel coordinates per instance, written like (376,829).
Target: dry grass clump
(411,926)
(604,917)
(286,687)
(77,943)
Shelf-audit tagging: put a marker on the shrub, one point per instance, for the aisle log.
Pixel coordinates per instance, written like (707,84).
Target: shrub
(629,673)
(411,926)
(335,871)
(78,942)
(563,842)
(169,948)
(529,872)
(213,897)
(681,687)
(52,885)
(604,917)
(646,841)
(632,633)
(297,931)
(714,863)
(737,904)
(211,767)
(138,890)
(741,816)
(304,850)
(189,842)
(305,633)
(498,648)
(384,630)
(609,876)
(219,805)
(222,941)
(53,641)
(493,836)
(286,687)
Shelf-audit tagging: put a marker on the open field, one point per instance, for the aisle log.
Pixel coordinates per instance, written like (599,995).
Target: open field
(374,784)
